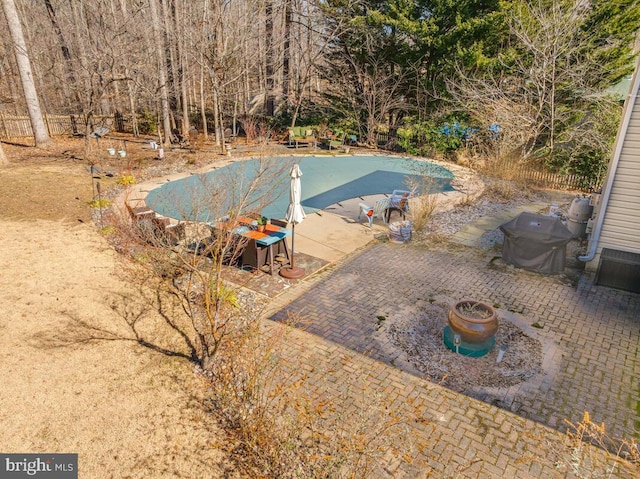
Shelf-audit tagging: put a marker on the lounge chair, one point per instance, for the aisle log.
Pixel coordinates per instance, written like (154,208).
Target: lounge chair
(379,210)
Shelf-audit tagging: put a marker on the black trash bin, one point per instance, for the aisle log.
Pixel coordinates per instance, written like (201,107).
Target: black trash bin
(536,243)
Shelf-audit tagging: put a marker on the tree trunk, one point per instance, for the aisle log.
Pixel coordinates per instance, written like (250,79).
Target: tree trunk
(182,67)
(162,73)
(171,60)
(66,52)
(40,133)
(132,108)
(203,99)
(286,60)
(80,29)
(270,52)
(203,103)
(216,116)
(234,128)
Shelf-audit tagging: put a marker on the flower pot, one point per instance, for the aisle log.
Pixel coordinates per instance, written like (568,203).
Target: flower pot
(474,321)
(261,228)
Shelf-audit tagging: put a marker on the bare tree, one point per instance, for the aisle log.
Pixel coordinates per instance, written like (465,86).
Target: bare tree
(286,54)
(504,101)
(551,34)
(64,47)
(193,270)
(162,72)
(171,55)
(312,46)
(40,133)
(366,91)
(182,36)
(269,59)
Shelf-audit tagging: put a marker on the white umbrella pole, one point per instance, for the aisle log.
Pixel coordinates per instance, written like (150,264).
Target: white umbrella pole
(293,239)
(293,271)
(295,214)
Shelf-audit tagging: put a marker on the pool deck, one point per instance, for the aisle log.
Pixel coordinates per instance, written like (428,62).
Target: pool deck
(590,335)
(334,232)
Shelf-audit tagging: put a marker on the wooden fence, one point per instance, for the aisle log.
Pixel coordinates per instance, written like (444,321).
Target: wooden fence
(17,127)
(557,181)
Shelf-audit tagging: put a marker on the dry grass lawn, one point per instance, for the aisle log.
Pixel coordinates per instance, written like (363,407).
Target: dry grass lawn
(73,378)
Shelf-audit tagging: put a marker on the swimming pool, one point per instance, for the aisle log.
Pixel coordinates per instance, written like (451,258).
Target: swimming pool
(325,181)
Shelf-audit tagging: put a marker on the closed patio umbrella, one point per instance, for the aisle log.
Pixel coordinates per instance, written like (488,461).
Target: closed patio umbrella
(295,215)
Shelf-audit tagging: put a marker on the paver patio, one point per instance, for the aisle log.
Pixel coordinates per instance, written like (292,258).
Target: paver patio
(591,336)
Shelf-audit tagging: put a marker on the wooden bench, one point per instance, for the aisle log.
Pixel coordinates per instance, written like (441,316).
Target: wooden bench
(302,135)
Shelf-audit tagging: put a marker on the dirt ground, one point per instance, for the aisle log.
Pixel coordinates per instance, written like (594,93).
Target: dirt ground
(74,378)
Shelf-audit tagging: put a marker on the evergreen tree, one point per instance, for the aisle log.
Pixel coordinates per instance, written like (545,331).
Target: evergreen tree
(607,36)
(546,86)
(407,49)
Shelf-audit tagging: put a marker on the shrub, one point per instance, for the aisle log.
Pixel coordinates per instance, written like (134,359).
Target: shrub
(424,205)
(147,123)
(99,203)
(426,137)
(501,190)
(284,428)
(611,458)
(126,180)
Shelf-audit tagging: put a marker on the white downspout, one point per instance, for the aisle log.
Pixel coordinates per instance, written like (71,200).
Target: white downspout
(620,137)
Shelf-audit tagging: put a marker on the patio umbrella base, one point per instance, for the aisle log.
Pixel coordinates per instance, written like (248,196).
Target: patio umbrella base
(292,273)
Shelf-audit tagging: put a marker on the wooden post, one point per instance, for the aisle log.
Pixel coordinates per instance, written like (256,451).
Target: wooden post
(4,126)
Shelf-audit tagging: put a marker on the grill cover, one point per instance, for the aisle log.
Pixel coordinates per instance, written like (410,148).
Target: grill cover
(536,242)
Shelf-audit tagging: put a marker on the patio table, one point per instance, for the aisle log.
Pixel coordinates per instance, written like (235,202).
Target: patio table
(263,246)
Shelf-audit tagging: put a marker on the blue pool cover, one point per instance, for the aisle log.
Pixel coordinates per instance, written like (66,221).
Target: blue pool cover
(262,185)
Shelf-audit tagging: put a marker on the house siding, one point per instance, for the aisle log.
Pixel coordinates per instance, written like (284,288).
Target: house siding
(621,223)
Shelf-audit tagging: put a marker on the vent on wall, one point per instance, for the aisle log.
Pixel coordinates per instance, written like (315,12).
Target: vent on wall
(619,270)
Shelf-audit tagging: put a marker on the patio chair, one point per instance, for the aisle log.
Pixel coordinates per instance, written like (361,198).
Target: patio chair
(399,202)
(405,193)
(333,142)
(278,222)
(99,132)
(378,210)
